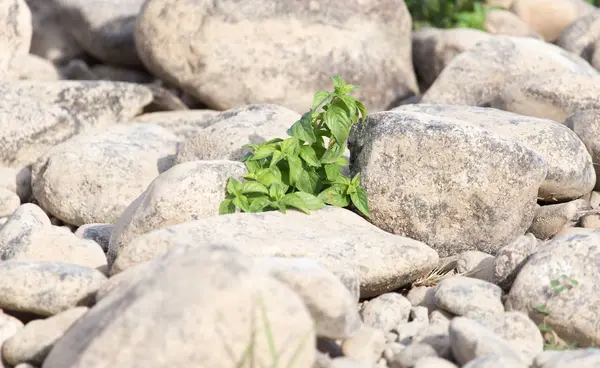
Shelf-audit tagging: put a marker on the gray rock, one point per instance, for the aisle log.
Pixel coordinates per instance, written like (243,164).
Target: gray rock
(422,296)
(226,134)
(9,326)
(579,358)
(230,297)
(32,67)
(476,76)
(433,362)
(581,37)
(29,235)
(408,357)
(185,124)
(15,32)
(475,264)
(106,31)
(436,335)
(470,340)
(442,181)
(587,127)
(46,288)
(304,36)
(185,192)
(9,202)
(511,258)
(366,344)
(551,219)
(494,361)
(17,181)
(38,115)
(331,305)
(570,168)
(383,261)
(100,233)
(112,169)
(33,343)
(386,311)
(574,312)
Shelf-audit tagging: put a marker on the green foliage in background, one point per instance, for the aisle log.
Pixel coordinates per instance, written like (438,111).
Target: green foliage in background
(448,13)
(304,171)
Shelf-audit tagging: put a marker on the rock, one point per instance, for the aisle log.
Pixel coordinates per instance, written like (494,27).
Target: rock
(111,170)
(106,32)
(570,168)
(422,296)
(477,75)
(504,22)
(494,361)
(386,311)
(79,70)
(226,134)
(9,326)
(408,357)
(463,295)
(126,279)
(17,181)
(433,362)
(185,124)
(305,37)
(587,127)
(100,233)
(574,310)
(186,192)
(366,344)
(46,288)
(331,305)
(33,343)
(50,39)
(419,314)
(32,67)
(511,258)
(550,17)
(551,219)
(591,221)
(475,264)
(15,33)
(578,358)
(231,298)
(406,331)
(519,331)
(549,95)
(434,48)
(9,202)
(38,115)
(437,336)
(470,340)
(581,37)
(29,235)
(444,182)
(344,362)
(383,262)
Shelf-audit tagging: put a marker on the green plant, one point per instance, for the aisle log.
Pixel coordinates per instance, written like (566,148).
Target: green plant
(448,13)
(303,171)
(551,339)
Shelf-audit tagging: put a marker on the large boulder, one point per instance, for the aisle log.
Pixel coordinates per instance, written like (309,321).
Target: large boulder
(216,50)
(15,31)
(447,183)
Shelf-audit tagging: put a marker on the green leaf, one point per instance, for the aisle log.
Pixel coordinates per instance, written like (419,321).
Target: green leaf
(277,156)
(242,202)
(319,99)
(290,145)
(362,109)
(234,187)
(258,204)
(226,207)
(307,181)
(338,83)
(359,199)
(254,187)
(350,103)
(294,200)
(252,166)
(332,171)
(263,152)
(281,207)
(296,169)
(309,155)
(343,180)
(312,202)
(554,283)
(333,154)
(268,176)
(303,129)
(333,197)
(277,191)
(338,123)
(355,182)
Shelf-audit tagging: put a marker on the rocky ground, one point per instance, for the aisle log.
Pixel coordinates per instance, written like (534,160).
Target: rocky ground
(121,120)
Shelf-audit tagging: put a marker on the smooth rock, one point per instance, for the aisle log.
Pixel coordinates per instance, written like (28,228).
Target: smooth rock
(475,264)
(581,37)
(578,358)
(433,362)
(494,361)
(551,219)
(93,177)
(386,311)
(383,262)
(9,202)
(511,258)
(308,42)
(366,344)
(15,32)
(185,124)
(439,180)
(462,295)
(186,192)
(100,233)
(586,124)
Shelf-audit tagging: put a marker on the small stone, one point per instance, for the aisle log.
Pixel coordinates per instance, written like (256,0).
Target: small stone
(100,233)
(419,314)
(348,362)
(578,358)
(476,264)
(368,344)
(407,358)
(422,296)
(495,361)
(551,219)
(461,295)
(386,311)
(433,362)
(9,202)
(511,258)
(437,336)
